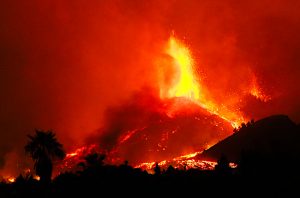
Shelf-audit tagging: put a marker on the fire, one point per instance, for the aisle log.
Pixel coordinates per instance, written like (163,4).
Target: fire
(73,158)
(36,177)
(183,162)
(128,135)
(257,92)
(80,151)
(187,85)
(71,154)
(11,179)
(187,156)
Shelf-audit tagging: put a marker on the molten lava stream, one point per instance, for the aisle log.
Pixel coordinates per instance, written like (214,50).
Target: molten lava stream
(182,162)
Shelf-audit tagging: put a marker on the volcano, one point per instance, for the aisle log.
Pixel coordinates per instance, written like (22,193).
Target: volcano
(146,130)
(176,119)
(153,135)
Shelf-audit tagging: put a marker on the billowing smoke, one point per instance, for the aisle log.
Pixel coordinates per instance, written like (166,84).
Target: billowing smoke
(146,128)
(75,66)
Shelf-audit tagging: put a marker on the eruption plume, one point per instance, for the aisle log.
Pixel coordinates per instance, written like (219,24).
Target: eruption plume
(185,83)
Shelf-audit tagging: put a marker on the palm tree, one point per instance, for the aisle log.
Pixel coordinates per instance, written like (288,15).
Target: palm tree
(43,148)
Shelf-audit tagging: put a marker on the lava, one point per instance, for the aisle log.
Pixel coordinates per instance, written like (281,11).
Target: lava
(183,97)
(257,92)
(185,84)
(64,66)
(185,162)
(73,158)
(80,151)
(11,179)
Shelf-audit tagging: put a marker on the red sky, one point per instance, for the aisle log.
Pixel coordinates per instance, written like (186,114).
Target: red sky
(62,64)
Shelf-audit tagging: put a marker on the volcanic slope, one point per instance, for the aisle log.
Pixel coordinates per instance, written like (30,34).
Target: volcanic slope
(274,137)
(152,135)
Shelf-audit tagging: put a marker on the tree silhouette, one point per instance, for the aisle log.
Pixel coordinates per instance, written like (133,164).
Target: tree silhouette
(157,170)
(95,159)
(223,167)
(43,148)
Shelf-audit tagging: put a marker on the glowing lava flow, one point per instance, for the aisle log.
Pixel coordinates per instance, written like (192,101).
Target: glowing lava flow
(11,179)
(187,86)
(73,158)
(182,162)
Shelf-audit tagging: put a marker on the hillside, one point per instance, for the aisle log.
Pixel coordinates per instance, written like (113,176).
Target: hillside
(272,137)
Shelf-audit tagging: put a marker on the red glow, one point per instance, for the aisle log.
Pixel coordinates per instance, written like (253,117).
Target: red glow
(185,84)
(183,162)
(11,179)
(182,96)
(257,92)
(109,73)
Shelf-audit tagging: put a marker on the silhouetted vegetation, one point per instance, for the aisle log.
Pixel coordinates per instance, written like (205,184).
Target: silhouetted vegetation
(258,173)
(43,148)
(223,168)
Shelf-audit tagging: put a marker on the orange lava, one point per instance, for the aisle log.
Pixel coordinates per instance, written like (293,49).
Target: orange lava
(182,162)
(11,179)
(186,84)
(257,92)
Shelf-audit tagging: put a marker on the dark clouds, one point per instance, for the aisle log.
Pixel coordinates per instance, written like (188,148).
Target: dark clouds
(62,64)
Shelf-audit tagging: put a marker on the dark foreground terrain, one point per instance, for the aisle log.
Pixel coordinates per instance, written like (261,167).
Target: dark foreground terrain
(267,153)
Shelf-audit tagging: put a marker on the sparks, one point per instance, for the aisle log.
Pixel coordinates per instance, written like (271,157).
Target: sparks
(257,92)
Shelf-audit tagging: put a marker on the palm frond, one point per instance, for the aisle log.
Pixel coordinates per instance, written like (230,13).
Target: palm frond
(44,144)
